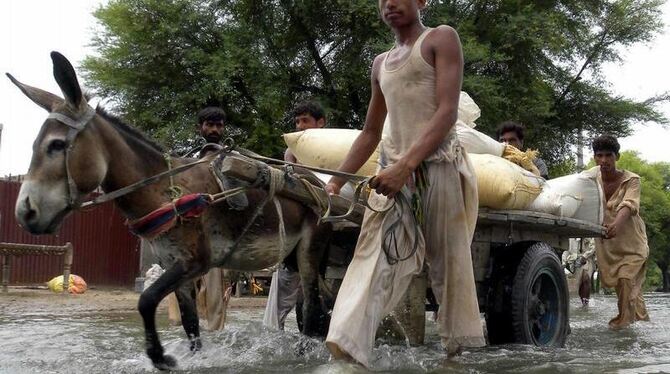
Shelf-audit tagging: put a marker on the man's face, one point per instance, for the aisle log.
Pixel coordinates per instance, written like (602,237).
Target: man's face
(606,160)
(306,121)
(396,13)
(212,131)
(512,139)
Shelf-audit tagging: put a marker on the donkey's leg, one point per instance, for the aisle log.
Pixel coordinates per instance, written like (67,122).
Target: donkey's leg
(189,314)
(310,251)
(166,283)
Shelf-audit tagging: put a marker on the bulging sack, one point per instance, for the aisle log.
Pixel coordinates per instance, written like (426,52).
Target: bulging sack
(76,285)
(468,110)
(573,196)
(327,148)
(504,185)
(476,142)
(348,189)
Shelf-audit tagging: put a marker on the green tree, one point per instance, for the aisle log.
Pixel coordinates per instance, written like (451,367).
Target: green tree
(535,61)
(161,61)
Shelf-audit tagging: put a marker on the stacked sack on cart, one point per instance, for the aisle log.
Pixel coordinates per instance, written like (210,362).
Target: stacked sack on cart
(506,177)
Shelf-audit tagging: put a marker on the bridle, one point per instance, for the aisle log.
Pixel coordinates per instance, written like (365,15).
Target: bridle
(75,127)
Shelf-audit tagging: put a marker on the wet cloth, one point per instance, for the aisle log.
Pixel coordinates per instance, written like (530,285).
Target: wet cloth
(285,293)
(213,292)
(213,295)
(622,260)
(372,286)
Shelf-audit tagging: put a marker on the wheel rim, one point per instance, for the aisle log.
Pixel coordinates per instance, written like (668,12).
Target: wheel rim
(543,308)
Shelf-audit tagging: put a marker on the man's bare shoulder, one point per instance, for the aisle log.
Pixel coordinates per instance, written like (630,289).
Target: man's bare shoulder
(377,63)
(442,34)
(379,59)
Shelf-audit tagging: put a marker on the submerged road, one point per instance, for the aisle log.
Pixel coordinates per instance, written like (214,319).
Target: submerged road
(41,337)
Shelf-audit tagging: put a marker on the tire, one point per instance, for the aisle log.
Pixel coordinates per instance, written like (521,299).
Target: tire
(540,303)
(499,294)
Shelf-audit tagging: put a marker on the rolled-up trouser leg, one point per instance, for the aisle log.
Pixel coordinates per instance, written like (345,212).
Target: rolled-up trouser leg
(289,293)
(213,296)
(285,293)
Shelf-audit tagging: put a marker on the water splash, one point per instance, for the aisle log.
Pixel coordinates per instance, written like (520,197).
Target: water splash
(87,341)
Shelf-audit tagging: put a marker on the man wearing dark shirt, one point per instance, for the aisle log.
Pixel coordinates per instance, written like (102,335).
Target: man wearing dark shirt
(511,132)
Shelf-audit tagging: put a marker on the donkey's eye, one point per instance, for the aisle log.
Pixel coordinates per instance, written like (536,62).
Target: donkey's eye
(56,145)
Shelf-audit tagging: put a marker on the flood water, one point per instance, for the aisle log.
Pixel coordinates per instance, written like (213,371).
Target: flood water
(92,342)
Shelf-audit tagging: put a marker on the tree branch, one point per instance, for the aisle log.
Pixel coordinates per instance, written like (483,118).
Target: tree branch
(594,53)
(313,50)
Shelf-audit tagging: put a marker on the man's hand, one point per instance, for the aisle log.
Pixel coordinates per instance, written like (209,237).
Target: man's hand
(332,188)
(612,229)
(390,180)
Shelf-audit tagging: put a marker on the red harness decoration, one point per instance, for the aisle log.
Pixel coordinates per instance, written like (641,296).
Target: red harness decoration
(164,218)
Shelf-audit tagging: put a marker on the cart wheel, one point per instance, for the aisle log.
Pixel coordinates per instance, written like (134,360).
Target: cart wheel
(540,298)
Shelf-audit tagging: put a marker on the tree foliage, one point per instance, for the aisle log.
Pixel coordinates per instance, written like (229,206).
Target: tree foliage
(534,61)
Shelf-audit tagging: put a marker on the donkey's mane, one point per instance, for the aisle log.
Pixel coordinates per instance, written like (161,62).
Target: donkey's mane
(129,130)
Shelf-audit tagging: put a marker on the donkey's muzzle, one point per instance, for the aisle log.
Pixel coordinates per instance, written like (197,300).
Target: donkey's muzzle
(27,215)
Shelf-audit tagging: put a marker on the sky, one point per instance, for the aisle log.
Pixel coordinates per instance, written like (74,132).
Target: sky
(67,26)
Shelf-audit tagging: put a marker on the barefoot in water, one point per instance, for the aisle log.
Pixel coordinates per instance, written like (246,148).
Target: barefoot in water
(339,354)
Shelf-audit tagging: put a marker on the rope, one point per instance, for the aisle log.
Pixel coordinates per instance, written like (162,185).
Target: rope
(390,242)
(221,196)
(322,204)
(363,182)
(175,192)
(152,179)
(276,182)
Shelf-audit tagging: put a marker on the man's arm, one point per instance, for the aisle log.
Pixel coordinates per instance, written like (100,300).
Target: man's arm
(446,48)
(367,141)
(629,206)
(542,168)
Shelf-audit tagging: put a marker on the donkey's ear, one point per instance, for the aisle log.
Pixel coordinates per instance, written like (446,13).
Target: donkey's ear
(66,79)
(45,99)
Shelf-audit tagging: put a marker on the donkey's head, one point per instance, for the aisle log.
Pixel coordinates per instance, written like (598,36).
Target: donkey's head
(68,158)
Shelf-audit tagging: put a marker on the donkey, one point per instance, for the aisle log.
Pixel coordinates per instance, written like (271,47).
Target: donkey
(79,149)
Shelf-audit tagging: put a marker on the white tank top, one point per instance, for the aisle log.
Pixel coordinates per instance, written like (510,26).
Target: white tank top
(409,91)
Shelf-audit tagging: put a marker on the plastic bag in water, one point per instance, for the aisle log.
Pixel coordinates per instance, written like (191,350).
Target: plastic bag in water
(152,275)
(76,285)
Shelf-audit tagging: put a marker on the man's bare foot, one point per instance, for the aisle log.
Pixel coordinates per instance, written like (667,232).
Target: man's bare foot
(454,351)
(339,354)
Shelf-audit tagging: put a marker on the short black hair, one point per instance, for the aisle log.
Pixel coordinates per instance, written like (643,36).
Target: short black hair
(607,143)
(510,126)
(313,108)
(211,113)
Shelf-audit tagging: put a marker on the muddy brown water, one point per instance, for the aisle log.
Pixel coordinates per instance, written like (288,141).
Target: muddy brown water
(38,336)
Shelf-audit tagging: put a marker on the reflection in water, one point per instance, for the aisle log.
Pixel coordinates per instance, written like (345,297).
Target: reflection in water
(87,342)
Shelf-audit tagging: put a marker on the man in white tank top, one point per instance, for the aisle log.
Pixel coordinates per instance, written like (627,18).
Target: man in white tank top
(428,174)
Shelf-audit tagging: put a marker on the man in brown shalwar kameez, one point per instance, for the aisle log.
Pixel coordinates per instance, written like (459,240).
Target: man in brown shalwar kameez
(622,254)
(213,290)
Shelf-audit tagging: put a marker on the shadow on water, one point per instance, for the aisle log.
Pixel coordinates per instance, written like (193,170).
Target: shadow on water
(89,342)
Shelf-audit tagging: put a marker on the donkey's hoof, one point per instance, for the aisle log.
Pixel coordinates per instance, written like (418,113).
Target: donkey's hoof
(196,345)
(167,362)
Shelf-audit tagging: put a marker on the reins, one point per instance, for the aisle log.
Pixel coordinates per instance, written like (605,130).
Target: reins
(142,183)
(77,125)
(276,182)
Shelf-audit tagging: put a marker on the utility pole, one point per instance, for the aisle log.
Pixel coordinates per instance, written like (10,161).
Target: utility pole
(580,149)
